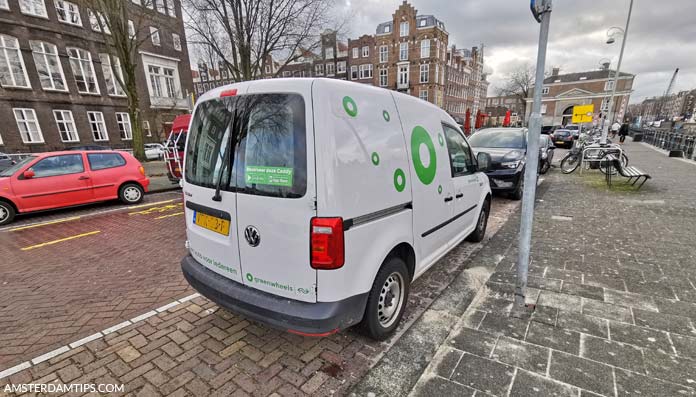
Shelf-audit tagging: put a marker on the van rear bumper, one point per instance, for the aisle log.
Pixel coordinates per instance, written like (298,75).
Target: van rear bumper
(279,312)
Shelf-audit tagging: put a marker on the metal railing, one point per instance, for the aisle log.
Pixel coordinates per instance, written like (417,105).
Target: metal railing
(668,140)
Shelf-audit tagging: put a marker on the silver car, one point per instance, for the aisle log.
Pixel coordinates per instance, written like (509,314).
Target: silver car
(5,161)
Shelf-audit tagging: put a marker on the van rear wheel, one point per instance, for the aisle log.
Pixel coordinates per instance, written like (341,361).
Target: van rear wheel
(480,232)
(387,299)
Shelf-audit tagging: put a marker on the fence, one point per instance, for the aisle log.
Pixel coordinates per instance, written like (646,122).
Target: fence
(667,140)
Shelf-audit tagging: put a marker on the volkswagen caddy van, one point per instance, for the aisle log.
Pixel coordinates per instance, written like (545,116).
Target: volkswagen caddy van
(312,204)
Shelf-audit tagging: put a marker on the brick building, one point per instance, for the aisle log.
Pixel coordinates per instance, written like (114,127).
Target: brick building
(563,91)
(498,106)
(458,77)
(57,88)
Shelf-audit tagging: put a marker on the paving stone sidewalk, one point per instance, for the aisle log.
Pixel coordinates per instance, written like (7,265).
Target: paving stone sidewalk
(613,276)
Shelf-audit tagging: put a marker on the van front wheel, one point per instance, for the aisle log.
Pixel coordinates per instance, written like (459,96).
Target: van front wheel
(387,299)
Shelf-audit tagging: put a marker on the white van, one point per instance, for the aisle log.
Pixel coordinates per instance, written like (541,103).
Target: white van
(312,204)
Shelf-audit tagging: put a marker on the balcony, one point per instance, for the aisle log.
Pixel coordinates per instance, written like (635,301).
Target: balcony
(169,103)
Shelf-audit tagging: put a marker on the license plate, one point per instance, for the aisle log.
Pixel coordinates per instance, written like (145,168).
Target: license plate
(213,223)
(560,142)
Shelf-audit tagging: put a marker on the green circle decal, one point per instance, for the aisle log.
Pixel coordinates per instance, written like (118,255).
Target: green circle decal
(349,106)
(419,137)
(249,277)
(385,114)
(440,139)
(439,189)
(399,180)
(375,158)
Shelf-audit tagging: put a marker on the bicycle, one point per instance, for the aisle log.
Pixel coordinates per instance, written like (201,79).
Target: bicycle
(593,151)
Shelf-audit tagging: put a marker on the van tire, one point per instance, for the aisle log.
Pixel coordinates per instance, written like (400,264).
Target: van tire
(131,193)
(394,271)
(7,212)
(480,232)
(519,190)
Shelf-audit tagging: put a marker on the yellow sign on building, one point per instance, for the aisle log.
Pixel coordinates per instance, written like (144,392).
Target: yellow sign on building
(583,113)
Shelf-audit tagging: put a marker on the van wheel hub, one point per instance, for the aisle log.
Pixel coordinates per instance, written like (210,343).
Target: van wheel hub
(390,299)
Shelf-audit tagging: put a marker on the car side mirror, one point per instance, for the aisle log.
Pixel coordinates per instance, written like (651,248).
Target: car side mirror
(484,162)
(28,174)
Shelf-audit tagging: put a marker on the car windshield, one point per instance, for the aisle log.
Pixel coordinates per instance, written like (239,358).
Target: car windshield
(572,127)
(562,132)
(512,139)
(14,168)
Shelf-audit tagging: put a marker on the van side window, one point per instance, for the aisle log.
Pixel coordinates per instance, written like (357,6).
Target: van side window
(102,161)
(461,159)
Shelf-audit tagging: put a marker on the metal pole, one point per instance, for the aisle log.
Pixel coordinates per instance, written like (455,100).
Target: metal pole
(530,172)
(610,111)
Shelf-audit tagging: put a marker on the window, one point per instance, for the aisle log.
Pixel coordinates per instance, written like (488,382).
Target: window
(605,105)
(424,72)
(83,70)
(59,165)
(48,66)
(330,69)
(176,40)
(131,29)
(403,75)
(97,21)
(124,126)
(102,161)
(287,73)
(387,29)
(383,53)
(328,53)
(543,108)
(96,123)
(423,94)
(150,4)
(365,51)
(383,81)
(545,90)
(146,127)
(113,87)
(35,8)
(162,81)
(425,48)
(437,73)
(4,5)
(66,126)
(461,159)
(170,8)
(366,71)
(161,7)
(609,85)
(355,52)
(319,69)
(29,128)
(403,51)
(403,29)
(13,73)
(341,67)
(154,36)
(353,72)
(422,22)
(68,12)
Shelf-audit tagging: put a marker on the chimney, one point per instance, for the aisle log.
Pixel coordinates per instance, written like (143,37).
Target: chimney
(555,71)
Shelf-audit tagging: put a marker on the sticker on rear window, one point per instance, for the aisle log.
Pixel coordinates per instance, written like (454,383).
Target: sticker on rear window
(276,176)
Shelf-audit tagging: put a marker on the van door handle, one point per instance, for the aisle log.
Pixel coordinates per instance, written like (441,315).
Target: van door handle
(459,195)
(82,178)
(447,199)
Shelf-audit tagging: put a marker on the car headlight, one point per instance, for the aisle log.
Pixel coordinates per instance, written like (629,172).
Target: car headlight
(511,164)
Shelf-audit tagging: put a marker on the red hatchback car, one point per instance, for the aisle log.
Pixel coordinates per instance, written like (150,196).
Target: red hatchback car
(62,179)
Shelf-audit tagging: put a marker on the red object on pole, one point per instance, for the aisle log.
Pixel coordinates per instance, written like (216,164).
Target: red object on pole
(506,120)
(467,122)
(479,119)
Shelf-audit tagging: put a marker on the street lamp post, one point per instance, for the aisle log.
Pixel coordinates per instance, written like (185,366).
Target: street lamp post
(610,111)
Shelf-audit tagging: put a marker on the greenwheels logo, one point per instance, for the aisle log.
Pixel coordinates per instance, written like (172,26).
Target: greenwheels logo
(249,277)
(375,158)
(419,137)
(350,106)
(385,114)
(399,180)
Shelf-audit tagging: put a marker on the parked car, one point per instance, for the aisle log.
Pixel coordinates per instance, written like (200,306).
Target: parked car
(574,129)
(549,129)
(5,161)
(63,179)
(563,138)
(546,151)
(154,151)
(322,223)
(89,147)
(507,148)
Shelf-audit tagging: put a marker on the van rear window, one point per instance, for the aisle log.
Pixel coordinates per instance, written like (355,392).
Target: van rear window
(267,137)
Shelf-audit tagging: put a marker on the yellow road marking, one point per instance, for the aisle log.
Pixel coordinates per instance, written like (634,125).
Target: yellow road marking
(150,204)
(31,247)
(167,216)
(163,208)
(45,223)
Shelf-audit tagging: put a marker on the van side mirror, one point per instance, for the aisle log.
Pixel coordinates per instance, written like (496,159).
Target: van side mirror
(28,174)
(484,162)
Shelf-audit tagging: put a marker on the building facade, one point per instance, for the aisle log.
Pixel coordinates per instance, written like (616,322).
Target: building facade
(563,91)
(57,85)
(498,106)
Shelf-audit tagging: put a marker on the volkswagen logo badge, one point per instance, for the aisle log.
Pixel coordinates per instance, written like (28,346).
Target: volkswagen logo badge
(252,236)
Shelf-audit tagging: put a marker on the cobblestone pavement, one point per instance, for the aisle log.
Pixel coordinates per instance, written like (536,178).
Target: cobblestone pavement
(613,276)
(191,348)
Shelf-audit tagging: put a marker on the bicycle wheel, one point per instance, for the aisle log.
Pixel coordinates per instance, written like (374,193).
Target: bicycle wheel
(624,159)
(570,163)
(605,165)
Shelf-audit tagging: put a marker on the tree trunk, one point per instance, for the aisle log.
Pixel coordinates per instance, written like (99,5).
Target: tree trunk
(136,124)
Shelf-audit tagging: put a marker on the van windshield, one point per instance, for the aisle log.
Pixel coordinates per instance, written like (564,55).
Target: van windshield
(267,142)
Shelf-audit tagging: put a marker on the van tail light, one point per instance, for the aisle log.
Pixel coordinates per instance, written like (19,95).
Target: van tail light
(327,247)
(227,93)
(142,170)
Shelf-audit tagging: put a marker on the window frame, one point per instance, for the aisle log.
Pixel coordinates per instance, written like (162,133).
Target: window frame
(365,51)
(43,56)
(403,32)
(356,52)
(171,8)
(111,71)
(80,60)
(383,54)
(93,123)
(66,11)
(91,168)
(176,42)
(4,5)
(354,74)
(155,38)
(319,69)
(66,122)
(384,75)
(340,67)
(82,161)
(424,70)
(4,49)
(124,126)
(425,48)
(330,69)
(544,90)
(471,168)
(30,12)
(26,121)
(403,49)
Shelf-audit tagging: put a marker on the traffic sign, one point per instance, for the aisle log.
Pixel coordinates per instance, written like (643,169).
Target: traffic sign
(583,113)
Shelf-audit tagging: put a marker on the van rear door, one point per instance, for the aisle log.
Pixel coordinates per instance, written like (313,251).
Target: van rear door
(275,187)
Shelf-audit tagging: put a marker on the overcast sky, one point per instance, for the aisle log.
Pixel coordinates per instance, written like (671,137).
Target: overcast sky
(661,36)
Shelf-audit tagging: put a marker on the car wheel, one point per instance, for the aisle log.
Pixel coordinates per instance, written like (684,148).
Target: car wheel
(545,167)
(519,191)
(131,193)
(479,233)
(387,300)
(7,212)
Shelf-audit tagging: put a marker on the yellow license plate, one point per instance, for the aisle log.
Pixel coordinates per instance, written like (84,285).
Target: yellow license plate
(213,223)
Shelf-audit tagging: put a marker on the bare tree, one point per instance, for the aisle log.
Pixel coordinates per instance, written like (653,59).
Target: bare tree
(245,34)
(519,83)
(124,28)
